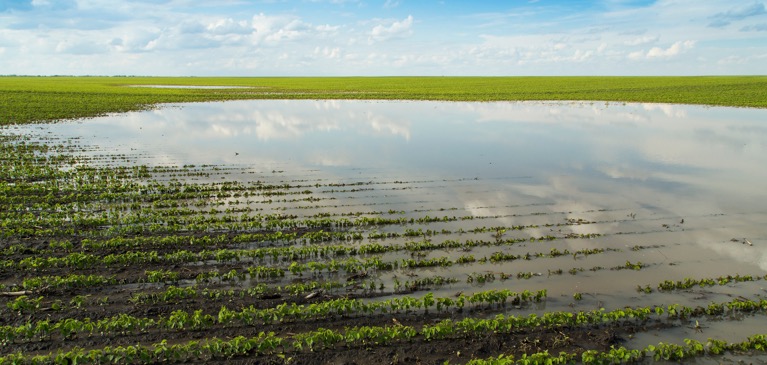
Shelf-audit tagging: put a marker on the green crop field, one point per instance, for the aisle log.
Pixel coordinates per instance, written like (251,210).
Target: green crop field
(28,99)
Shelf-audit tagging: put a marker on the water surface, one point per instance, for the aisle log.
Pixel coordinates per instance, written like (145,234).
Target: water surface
(689,180)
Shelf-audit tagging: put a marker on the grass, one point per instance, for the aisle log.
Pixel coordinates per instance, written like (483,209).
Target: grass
(35,99)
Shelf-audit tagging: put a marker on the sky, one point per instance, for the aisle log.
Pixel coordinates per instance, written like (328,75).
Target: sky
(382,38)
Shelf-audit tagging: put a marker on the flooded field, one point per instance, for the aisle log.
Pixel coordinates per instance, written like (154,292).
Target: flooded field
(296,223)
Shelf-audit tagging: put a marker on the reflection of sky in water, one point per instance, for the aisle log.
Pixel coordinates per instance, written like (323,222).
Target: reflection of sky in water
(670,160)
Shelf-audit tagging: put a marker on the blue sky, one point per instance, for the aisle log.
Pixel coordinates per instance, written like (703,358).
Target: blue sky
(385,37)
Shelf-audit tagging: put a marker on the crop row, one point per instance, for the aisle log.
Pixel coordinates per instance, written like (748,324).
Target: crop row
(78,221)
(174,293)
(221,239)
(24,304)
(197,320)
(78,260)
(348,265)
(686,283)
(375,335)
(267,344)
(621,355)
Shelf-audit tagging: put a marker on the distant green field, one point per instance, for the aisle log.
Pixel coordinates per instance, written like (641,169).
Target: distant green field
(31,99)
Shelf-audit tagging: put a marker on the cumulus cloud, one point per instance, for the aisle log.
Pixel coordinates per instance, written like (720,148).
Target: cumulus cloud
(219,32)
(675,49)
(725,18)
(658,52)
(229,26)
(395,29)
(275,29)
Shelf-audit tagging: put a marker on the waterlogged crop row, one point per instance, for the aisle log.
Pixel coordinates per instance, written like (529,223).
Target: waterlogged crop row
(348,265)
(162,352)
(67,281)
(174,293)
(686,283)
(267,344)
(78,260)
(621,355)
(60,220)
(312,236)
(197,320)
(24,304)
(375,335)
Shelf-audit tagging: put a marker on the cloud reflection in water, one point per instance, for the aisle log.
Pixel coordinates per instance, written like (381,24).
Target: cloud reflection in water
(650,159)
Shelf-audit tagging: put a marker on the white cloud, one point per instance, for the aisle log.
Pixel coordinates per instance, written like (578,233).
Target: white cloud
(229,26)
(672,51)
(640,41)
(178,37)
(386,126)
(396,29)
(275,29)
(658,52)
(135,41)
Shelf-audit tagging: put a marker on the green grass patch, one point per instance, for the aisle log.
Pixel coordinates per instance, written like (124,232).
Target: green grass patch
(34,99)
